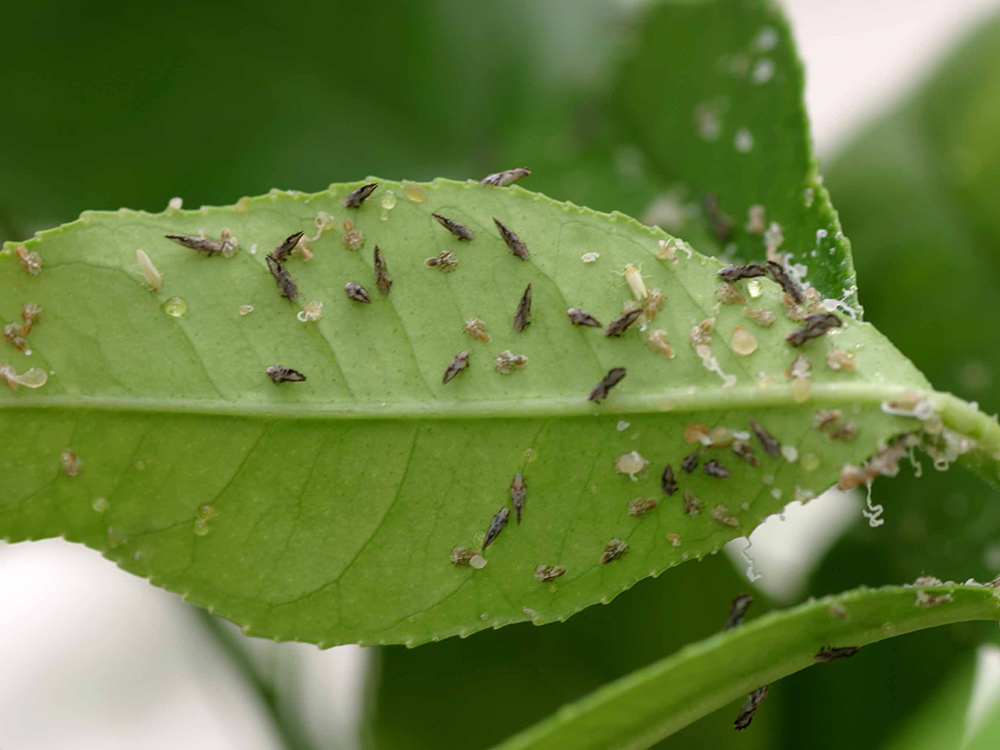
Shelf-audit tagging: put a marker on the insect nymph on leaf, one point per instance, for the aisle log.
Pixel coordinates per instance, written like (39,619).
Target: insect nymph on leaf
(497,524)
(614,550)
(225,245)
(582,318)
(459,363)
(547,573)
(284,250)
(356,197)
(518,493)
(382,279)
(767,441)
(444,261)
(457,228)
(514,243)
(787,283)
(282,374)
(505,178)
(690,462)
(749,709)
(738,610)
(609,381)
(714,469)
(284,279)
(668,483)
(816,325)
(828,654)
(619,325)
(522,316)
(357,292)
(749,271)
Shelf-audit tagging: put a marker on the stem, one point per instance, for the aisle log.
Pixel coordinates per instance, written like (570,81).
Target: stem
(292,735)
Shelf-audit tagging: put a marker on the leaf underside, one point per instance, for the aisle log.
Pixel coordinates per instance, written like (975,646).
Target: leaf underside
(325,511)
(652,703)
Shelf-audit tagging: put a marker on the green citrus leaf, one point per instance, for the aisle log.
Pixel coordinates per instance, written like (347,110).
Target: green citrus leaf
(327,510)
(652,703)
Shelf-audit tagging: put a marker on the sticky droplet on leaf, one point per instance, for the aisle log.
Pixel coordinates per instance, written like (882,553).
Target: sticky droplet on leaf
(175,307)
(743,342)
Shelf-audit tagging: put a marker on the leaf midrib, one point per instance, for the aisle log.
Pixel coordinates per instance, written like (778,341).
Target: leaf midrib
(674,400)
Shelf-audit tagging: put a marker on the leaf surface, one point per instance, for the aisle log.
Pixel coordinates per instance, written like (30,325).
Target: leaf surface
(326,510)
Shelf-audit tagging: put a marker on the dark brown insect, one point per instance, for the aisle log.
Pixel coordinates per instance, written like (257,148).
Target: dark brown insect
(690,462)
(282,251)
(816,325)
(737,611)
(582,318)
(749,271)
(750,708)
(767,441)
(619,325)
(522,317)
(357,292)
(382,279)
(741,449)
(497,525)
(459,363)
(507,177)
(609,381)
(515,243)
(282,374)
(546,573)
(667,482)
(285,283)
(518,493)
(614,550)
(828,654)
(357,197)
(692,505)
(201,244)
(714,469)
(787,283)
(457,228)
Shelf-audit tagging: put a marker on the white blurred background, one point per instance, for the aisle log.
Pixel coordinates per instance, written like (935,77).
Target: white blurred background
(83,645)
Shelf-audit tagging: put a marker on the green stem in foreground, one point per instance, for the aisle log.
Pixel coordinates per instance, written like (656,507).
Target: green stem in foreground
(290,732)
(646,706)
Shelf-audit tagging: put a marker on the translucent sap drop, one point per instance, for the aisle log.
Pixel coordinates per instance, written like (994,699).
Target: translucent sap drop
(478,562)
(530,455)
(100,504)
(388,203)
(246,309)
(205,512)
(414,192)
(201,527)
(33,378)
(755,288)
(810,461)
(743,342)
(478,540)
(175,307)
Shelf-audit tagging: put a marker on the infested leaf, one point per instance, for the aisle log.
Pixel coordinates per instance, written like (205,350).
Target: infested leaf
(327,509)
